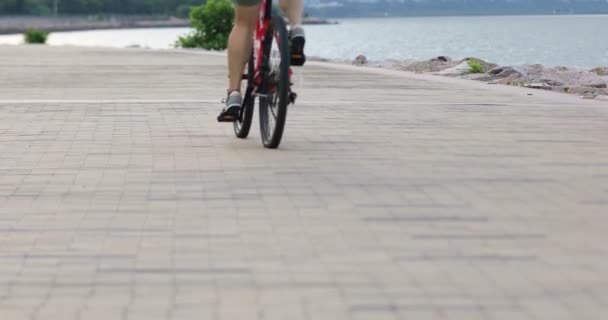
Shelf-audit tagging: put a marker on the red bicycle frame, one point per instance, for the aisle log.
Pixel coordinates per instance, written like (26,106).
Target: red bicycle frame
(261,45)
(263,24)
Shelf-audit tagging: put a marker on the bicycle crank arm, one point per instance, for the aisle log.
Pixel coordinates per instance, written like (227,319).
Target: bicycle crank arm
(292,97)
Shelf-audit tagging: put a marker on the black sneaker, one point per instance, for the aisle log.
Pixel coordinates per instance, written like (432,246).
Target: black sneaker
(233,108)
(298,40)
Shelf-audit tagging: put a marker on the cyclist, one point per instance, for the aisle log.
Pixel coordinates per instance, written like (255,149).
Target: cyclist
(240,43)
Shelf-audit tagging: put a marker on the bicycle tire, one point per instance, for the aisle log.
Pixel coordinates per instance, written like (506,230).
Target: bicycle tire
(271,137)
(243,124)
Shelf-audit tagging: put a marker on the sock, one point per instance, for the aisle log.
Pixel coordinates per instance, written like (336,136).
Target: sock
(298,26)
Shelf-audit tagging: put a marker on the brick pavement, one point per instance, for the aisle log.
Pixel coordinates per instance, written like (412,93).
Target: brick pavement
(394,196)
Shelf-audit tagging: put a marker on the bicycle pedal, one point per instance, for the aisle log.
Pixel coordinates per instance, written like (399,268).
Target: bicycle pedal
(297,60)
(292,97)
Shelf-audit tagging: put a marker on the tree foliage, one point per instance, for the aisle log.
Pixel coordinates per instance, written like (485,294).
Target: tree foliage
(212,24)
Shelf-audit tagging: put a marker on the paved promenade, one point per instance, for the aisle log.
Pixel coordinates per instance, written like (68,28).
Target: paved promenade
(393,196)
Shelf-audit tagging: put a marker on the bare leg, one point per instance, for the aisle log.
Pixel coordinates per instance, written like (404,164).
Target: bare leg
(293,10)
(240,43)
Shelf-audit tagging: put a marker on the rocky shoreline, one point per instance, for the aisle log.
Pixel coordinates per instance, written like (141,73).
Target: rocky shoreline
(586,83)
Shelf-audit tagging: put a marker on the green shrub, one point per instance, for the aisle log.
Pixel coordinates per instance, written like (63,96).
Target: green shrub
(476,67)
(36,36)
(191,40)
(212,24)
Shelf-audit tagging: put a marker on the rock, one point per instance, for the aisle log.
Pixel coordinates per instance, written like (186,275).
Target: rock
(599,85)
(503,72)
(538,85)
(585,78)
(554,83)
(433,65)
(458,70)
(589,96)
(562,77)
(579,90)
(533,69)
(360,60)
(520,70)
(478,77)
(498,70)
(509,79)
(600,71)
(560,89)
(442,59)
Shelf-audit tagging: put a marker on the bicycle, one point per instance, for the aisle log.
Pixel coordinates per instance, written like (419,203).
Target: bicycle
(268,79)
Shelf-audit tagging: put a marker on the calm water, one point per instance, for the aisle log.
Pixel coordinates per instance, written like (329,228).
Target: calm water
(578,41)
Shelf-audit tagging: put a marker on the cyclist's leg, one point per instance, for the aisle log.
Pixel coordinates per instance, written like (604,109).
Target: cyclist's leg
(240,42)
(293,10)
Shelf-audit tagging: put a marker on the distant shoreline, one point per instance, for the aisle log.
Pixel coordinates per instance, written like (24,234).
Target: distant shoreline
(16,25)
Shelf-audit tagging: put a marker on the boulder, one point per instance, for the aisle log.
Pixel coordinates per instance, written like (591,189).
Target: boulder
(599,85)
(360,60)
(533,69)
(538,85)
(578,90)
(455,71)
(600,71)
(553,83)
(433,65)
(442,59)
(478,77)
(559,76)
(503,72)
(509,79)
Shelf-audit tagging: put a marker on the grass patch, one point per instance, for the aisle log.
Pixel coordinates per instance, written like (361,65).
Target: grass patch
(475,67)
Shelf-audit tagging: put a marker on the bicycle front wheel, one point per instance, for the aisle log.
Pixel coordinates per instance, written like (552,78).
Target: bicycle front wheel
(275,98)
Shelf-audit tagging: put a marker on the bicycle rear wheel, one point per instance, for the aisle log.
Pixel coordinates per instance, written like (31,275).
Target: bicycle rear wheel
(243,124)
(275,94)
